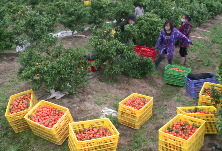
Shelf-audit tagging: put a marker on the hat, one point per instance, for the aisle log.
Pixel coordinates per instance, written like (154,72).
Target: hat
(132,17)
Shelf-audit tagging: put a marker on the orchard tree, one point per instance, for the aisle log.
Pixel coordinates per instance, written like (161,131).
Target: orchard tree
(150,26)
(7,36)
(74,16)
(109,51)
(52,66)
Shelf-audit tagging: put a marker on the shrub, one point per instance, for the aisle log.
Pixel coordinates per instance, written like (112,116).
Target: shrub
(53,67)
(109,51)
(213,6)
(166,10)
(219,122)
(100,11)
(7,36)
(74,16)
(33,26)
(149,26)
(198,13)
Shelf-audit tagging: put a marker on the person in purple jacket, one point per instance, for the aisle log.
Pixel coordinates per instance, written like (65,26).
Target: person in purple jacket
(185,29)
(166,41)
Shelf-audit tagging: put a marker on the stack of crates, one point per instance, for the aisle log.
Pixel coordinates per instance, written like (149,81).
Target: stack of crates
(205,100)
(59,132)
(175,77)
(132,117)
(209,118)
(16,120)
(172,143)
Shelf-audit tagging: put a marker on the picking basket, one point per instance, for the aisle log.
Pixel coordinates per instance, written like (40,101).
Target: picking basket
(206,100)
(175,77)
(193,87)
(132,117)
(59,132)
(173,143)
(210,125)
(16,120)
(100,144)
(146,52)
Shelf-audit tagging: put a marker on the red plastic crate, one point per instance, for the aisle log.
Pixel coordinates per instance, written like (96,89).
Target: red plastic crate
(146,52)
(92,67)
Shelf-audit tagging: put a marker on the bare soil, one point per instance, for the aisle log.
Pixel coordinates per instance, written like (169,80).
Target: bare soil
(83,107)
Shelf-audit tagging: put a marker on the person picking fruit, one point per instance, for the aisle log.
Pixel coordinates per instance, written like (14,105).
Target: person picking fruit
(166,42)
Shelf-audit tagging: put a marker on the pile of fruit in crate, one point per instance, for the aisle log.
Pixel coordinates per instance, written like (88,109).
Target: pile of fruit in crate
(20,104)
(92,133)
(136,103)
(210,91)
(200,111)
(47,116)
(177,69)
(182,130)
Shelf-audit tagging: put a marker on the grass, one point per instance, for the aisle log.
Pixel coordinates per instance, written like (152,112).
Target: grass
(9,141)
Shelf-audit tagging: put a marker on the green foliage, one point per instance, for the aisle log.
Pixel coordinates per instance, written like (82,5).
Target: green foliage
(74,16)
(219,72)
(33,26)
(198,13)
(219,122)
(149,26)
(130,32)
(7,36)
(109,50)
(53,67)
(213,6)
(122,10)
(166,10)
(100,11)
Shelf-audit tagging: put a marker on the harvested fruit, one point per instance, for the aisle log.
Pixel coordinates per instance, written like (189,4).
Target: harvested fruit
(182,130)
(210,91)
(136,103)
(46,116)
(177,69)
(92,133)
(20,104)
(199,111)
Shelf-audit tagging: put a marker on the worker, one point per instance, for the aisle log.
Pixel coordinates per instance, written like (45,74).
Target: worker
(139,10)
(166,42)
(131,20)
(185,29)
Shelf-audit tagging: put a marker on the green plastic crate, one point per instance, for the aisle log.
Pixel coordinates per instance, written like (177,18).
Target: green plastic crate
(175,77)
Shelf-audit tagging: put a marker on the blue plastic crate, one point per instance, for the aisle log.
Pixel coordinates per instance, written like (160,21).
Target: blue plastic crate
(193,87)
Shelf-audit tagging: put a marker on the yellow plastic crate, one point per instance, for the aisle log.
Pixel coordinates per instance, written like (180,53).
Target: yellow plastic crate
(132,117)
(194,143)
(16,120)
(206,100)
(87,2)
(210,125)
(99,144)
(60,130)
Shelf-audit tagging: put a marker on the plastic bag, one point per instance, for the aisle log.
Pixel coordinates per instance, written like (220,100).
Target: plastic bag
(107,111)
(19,48)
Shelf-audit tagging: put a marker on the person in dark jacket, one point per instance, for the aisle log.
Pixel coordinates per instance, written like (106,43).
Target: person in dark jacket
(185,29)
(131,20)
